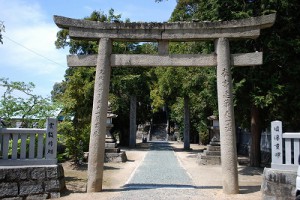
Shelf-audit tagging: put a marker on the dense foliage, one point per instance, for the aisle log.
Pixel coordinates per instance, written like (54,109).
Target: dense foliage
(268,92)
(75,93)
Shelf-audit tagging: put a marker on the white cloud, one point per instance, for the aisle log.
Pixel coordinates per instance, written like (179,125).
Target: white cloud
(17,12)
(153,12)
(29,23)
(33,47)
(28,46)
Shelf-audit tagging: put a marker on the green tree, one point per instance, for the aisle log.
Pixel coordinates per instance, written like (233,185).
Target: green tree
(19,101)
(75,93)
(127,82)
(272,86)
(198,85)
(174,85)
(261,93)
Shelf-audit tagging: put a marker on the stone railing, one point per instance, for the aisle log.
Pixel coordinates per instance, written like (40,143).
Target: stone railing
(285,148)
(29,146)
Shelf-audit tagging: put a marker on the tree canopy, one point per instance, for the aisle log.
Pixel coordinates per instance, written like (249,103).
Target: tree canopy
(261,93)
(19,101)
(75,93)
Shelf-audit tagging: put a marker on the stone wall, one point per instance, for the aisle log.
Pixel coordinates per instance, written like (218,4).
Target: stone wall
(31,182)
(278,184)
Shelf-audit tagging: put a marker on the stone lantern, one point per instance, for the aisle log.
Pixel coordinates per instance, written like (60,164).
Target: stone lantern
(214,130)
(109,138)
(212,155)
(112,152)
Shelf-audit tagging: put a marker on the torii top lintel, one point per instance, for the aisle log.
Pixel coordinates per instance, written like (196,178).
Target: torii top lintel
(175,31)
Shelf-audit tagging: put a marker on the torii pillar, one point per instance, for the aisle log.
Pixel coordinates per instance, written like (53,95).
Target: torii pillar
(226,118)
(99,116)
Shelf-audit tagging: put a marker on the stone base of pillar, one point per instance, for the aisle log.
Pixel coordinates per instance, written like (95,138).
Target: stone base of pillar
(210,156)
(111,147)
(116,157)
(113,153)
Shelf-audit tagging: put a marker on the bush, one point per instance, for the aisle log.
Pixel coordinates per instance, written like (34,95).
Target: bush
(72,140)
(204,137)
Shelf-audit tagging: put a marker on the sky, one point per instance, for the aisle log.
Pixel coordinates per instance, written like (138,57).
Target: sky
(28,53)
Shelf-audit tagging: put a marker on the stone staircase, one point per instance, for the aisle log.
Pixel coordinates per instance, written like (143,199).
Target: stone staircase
(159,132)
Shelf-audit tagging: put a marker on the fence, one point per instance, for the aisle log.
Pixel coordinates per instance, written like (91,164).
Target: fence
(29,146)
(285,148)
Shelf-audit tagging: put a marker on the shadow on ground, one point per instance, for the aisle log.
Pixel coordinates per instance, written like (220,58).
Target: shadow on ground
(250,171)
(249,189)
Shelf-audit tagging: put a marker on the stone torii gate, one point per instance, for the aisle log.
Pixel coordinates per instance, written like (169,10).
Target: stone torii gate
(163,33)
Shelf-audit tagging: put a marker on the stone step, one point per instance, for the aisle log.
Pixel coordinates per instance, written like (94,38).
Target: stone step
(243,160)
(110,145)
(211,153)
(112,150)
(214,143)
(213,148)
(116,157)
(159,132)
(208,160)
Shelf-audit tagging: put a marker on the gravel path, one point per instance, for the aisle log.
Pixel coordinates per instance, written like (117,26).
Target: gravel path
(160,169)
(158,172)
(160,176)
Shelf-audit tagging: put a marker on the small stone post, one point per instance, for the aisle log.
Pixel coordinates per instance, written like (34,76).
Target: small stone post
(226,118)
(99,116)
(132,140)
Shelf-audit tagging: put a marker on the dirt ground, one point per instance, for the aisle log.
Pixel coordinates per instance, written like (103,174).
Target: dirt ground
(207,178)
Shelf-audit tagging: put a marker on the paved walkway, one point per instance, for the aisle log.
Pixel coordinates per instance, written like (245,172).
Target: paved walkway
(160,169)
(159,176)
(158,172)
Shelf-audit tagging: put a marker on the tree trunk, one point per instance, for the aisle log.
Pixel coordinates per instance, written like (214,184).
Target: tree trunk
(255,157)
(132,140)
(168,123)
(186,123)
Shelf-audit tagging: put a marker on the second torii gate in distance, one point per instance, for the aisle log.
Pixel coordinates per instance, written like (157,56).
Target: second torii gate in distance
(163,33)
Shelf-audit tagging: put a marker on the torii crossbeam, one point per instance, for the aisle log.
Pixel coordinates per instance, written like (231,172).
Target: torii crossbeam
(220,32)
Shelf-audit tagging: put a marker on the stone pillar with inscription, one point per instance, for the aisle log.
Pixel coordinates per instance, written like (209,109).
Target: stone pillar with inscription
(276,138)
(99,115)
(226,118)
(51,139)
